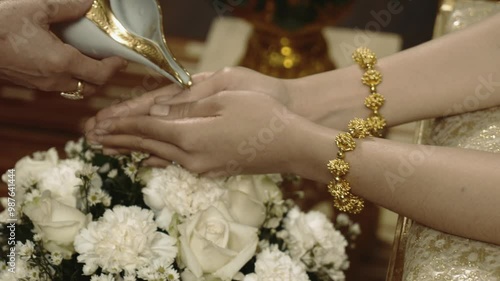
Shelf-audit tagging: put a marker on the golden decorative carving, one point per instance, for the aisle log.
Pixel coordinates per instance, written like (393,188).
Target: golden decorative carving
(102,16)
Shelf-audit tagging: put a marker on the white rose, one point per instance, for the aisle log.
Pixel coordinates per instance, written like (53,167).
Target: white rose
(246,197)
(211,243)
(57,223)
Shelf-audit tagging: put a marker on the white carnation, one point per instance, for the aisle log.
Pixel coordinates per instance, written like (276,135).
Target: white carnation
(274,265)
(175,190)
(62,181)
(123,239)
(313,239)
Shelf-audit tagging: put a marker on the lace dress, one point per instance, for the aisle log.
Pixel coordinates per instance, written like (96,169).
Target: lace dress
(434,255)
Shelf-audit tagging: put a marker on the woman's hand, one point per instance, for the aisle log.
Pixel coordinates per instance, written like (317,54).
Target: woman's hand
(224,134)
(205,85)
(32,56)
(231,79)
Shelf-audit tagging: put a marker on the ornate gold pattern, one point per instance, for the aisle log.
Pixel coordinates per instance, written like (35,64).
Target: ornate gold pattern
(372,78)
(365,58)
(338,167)
(376,124)
(345,142)
(344,200)
(339,188)
(374,101)
(102,16)
(284,54)
(358,128)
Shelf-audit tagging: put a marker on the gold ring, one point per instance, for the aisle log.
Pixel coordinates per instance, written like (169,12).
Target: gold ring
(75,95)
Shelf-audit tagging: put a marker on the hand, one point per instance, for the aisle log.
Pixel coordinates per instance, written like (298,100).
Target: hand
(34,57)
(229,79)
(205,84)
(226,133)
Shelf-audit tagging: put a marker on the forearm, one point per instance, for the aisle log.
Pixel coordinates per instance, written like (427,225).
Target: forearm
(451,75)
(453,190)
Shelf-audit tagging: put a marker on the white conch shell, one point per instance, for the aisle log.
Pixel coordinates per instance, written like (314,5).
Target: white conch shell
(132,29)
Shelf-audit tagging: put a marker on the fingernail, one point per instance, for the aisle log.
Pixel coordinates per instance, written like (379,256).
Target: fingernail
(93,139)
(104,125)
(124,64)
(110,151)
(96,146)
(100,132)
(159,110)
(120,110)
(162,99)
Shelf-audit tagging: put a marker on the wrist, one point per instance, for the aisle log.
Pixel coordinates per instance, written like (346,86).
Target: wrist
(330,99)
(314,146)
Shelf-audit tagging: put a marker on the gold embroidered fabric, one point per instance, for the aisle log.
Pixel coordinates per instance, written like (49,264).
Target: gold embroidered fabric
(437,256)
(434,255)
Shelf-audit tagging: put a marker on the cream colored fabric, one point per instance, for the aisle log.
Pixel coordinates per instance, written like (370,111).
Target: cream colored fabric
(434,255)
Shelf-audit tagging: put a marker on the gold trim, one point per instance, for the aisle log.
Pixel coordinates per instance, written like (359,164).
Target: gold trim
(396,262)
(101,15)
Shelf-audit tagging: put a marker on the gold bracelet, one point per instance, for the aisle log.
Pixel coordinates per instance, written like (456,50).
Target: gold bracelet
(359,128)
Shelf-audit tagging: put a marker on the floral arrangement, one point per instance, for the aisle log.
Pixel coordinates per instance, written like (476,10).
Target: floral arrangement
(100,218)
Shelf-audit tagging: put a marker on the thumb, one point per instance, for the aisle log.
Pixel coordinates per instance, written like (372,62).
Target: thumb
(67,10)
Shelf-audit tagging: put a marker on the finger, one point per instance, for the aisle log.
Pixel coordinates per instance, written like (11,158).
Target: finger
(134,143)
(154,161)
(215,174)
(115,151)
(137,106)
(66,10)
(89,125)
(201,108)
(141,105)
(196,92)
(146,126)
(93,71)
(62,84)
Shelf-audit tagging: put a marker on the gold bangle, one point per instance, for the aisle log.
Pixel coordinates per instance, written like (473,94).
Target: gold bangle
(374,125)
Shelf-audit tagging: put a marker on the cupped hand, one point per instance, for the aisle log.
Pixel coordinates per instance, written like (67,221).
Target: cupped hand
(230,79)
(140,105)
(32,56)
(231,132)
(204,85)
